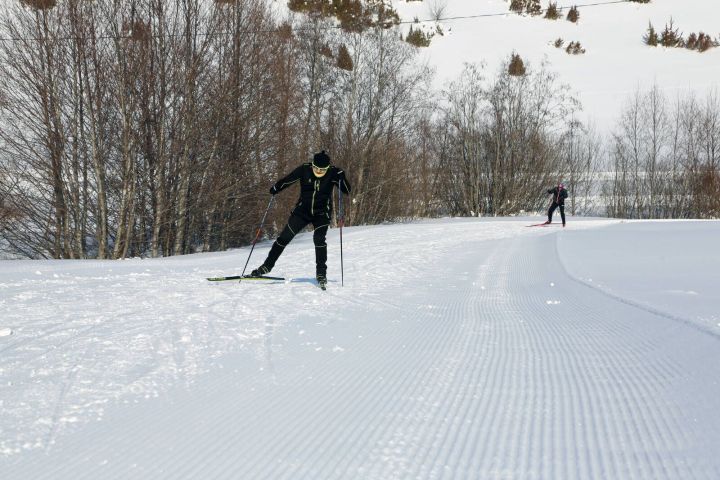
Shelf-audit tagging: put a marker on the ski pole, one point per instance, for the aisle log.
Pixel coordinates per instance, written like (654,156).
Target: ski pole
(257,235)
(341,221)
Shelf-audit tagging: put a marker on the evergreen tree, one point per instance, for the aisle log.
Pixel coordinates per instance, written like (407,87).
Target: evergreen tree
(344,60)
(534,7)
(552,12)
(651,37)
(517,6)
(517,66)
(671,36)
(418,38)
(573,15)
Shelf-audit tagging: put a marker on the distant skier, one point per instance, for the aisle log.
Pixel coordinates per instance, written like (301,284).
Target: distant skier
(317,180)
(559,195)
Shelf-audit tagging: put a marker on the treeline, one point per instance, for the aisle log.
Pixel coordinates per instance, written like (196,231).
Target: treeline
(152,128)
(148,128)
(665,158)
(155,128)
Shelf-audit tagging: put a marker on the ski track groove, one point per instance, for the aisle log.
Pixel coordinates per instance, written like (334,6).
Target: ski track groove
(302,382)
(632,398)
(386,392)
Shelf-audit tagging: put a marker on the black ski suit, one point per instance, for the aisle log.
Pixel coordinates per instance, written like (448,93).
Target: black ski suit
(559,195)
(314,206)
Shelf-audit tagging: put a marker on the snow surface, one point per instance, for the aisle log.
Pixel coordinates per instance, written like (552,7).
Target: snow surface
(617,61)
(458,348)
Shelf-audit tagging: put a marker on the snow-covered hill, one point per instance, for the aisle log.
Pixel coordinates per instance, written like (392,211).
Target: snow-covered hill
(615,64)
(458,348)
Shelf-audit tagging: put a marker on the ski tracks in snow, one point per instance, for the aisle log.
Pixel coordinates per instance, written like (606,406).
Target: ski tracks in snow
(494,365)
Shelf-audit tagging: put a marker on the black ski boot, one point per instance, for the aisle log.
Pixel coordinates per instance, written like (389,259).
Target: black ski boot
(260,271)
(322,281)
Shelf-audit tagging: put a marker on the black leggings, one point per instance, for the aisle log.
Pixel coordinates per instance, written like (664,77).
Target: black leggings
(295,224)
(552,209)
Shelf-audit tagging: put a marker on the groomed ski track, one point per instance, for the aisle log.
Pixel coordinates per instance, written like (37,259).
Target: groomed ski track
(490,363)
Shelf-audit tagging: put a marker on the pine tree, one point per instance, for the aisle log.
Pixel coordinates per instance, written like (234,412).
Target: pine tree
(552,12)
(670,36)
(705,42)
(651,37)
(344,60)
(517,66)
(418,38)
(533,7)
(517,6)
(573,15)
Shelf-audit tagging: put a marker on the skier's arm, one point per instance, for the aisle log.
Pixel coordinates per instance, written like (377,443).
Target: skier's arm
(341,181)
(285,182)
(552,190)
(564,194)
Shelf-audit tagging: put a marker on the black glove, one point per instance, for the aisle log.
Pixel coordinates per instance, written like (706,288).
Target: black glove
(272,190)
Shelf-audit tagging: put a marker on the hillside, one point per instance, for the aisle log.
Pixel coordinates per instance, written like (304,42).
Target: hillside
(615,64)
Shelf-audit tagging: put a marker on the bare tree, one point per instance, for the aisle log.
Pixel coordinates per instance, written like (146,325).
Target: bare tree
(505,139)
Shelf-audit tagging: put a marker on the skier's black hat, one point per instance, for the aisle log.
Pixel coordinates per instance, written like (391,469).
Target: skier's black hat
(321,160)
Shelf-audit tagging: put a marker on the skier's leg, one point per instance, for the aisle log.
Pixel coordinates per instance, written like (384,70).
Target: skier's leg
(321,228)
(293,227)
(550,211)
(562,214)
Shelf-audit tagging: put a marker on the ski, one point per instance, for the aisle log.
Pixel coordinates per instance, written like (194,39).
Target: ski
(545,225)
(241,278)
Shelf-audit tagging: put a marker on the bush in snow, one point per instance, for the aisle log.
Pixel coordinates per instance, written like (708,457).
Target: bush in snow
(516,68)
(418,38)
(671,37)
(517,6)
(574,48)
(640,1)
(559,43)
(700,42)
(573,15)
(552,12)
(531,7)
(651,37)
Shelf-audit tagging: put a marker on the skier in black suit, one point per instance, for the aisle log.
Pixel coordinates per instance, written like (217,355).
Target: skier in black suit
(559,195)
(317,180)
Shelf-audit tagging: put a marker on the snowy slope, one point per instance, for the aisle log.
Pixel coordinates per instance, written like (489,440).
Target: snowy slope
(459,348)
(615,65)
